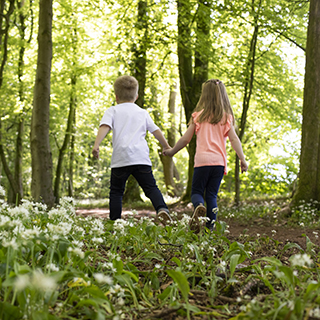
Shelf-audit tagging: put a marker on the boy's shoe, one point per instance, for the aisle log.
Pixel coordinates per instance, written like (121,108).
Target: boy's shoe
(197,221)
(164,217)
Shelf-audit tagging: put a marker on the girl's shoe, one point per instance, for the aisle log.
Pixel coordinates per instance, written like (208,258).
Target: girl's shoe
(164,217)
(198,218)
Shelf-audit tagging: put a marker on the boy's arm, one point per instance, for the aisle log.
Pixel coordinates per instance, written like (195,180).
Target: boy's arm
(236,145)
(102,132)
(160,137)
(182,142)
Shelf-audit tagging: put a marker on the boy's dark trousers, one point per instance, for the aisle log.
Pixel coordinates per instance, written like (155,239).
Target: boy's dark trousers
(143,174)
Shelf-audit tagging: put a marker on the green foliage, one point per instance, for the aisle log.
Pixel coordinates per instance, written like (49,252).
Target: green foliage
(94,43)
(57,265)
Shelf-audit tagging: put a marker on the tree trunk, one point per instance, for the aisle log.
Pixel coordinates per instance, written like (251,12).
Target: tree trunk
(248,87)
(71,119)
(66,141)
(41,185)
(15,184)
(309,175)
(139,49)
(71,157)
(192,78)
(167,162)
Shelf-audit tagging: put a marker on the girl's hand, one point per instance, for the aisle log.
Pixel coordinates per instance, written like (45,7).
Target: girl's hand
(168,152)
(244,166)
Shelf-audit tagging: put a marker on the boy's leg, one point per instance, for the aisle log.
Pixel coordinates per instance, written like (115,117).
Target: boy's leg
(212,189)
(145,178)
(118,181)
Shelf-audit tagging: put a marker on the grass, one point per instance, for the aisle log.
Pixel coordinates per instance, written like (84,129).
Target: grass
(57,265)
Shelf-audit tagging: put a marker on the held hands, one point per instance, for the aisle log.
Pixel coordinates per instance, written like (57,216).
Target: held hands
(168,152)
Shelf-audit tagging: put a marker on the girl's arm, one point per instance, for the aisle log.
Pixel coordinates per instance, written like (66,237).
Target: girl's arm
(182,142)
(102,132)
(236,145)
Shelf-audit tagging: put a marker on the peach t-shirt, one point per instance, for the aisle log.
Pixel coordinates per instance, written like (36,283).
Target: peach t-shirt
(211,142)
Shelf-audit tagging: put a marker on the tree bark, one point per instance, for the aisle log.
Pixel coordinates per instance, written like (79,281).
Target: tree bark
(66,142)
(139,50)
(41,185)
(192,77)
(248,87)
(309,175)
(70,124)
(169,170)
(5,24)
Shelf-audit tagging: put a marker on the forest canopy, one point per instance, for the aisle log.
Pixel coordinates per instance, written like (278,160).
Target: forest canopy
(256,47)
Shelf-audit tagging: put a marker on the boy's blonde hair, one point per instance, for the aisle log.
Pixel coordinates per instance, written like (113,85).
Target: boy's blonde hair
(215,102)
(126,88)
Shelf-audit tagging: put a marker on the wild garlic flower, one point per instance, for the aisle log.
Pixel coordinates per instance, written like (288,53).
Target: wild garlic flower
(21,282)
(102,278)
(52,267)
(2,192)
(301,260)
(62,228)
(28,234)
(43,282)
(97,240)
(19,211)
(12,243)
(77,251)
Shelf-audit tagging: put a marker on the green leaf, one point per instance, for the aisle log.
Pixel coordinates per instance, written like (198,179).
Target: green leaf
(166,292)
(177,261)
(9,311)
(180,279)
(233,263)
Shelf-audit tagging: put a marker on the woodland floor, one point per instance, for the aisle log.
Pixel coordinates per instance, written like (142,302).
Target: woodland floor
(259,227)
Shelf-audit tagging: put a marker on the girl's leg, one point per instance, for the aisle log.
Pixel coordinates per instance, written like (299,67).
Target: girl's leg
(199,182)
(212,189)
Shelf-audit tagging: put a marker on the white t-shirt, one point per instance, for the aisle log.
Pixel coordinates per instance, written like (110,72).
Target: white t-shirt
(129,123)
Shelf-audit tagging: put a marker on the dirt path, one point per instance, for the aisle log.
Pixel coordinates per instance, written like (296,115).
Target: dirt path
(256,228)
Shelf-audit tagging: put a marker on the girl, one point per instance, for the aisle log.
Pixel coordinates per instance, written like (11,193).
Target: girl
(212,122)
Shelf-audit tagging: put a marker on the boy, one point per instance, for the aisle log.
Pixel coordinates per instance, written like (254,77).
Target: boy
(130,154)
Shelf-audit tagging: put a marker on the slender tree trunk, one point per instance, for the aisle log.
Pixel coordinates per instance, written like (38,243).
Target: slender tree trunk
(6,10)
(248,87)
(191,78)
(139,49)
(41,185)
(70,124)
(169,170)
(71,157)
(64,148)
(309,175)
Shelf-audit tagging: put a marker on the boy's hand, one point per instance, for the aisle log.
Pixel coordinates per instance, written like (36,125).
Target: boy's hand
(244,166)
(168,152)
(95,152)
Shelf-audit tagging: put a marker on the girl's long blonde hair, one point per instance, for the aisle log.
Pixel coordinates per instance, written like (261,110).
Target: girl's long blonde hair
(214,102)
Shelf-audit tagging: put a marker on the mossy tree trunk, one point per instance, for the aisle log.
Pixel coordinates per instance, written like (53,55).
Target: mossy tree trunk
(192,75)
(309,175)
(41,185)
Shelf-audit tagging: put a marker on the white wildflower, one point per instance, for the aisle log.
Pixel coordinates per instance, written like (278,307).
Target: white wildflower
(21,282)
(98,240)
(301,260)
(2,192)
(12,243)
(52,267)
(43,282)
(101,278)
